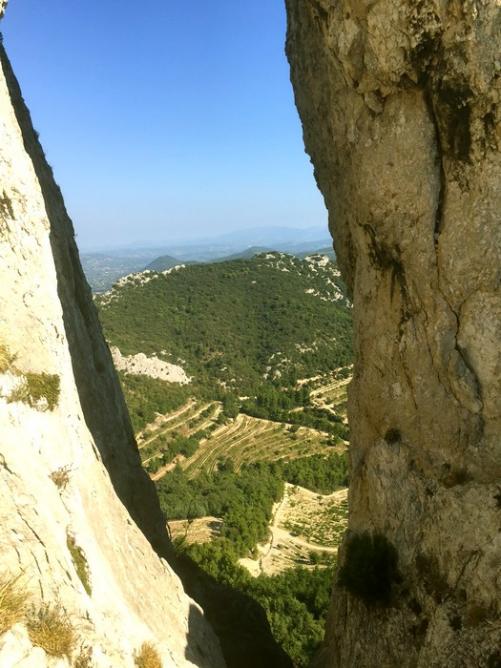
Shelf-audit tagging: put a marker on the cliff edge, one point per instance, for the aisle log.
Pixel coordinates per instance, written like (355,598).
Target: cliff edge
(400,105)
(79,580)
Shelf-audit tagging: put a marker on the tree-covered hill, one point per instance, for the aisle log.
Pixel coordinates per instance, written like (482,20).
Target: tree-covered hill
(236,323)
(246,330)
(163,262)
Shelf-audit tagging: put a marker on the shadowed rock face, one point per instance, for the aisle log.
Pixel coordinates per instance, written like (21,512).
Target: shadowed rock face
(400,105)
(76,506)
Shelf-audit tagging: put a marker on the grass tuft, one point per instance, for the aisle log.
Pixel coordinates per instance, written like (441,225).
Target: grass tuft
(13,600)
(61,476)
(52,630)
(83,658)
(38,386)
(80,563)
(6,359)
(147,657)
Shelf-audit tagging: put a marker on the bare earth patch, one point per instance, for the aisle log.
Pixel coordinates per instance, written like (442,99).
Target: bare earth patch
(154,367)
(200,530)
(304,524)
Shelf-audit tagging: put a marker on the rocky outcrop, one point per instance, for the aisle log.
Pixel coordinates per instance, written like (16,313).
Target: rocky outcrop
(400,105)
(142,365)
(79,515)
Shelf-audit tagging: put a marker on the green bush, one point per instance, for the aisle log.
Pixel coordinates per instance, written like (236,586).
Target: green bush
(80,563)
(370,569)
(35,387)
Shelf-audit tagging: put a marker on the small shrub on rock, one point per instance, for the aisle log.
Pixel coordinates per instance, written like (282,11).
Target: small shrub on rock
(52,630)
(147,657)
(6,359)
(370,569)
(80,563)
(61,476)
(13,599)
(36,387)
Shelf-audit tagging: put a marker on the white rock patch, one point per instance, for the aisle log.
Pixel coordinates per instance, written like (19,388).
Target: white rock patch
(149,366)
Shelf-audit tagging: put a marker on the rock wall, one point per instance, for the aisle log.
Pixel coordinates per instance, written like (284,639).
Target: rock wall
(78,513)
(400,105)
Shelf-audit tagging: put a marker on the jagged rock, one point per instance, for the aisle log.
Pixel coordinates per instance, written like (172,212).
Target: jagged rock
(400,105)
(78,513)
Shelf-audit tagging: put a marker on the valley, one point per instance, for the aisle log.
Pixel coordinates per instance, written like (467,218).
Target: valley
(249,451)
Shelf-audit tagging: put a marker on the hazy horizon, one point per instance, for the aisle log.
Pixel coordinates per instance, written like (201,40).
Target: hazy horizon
(243,237)
(177,125)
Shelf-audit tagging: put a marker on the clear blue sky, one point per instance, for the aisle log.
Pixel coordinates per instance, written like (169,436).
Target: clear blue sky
(165,119)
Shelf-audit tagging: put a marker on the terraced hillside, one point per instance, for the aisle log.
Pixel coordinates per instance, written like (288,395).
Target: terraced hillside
(247,439)
(242,440)
(330,392)
(306,529)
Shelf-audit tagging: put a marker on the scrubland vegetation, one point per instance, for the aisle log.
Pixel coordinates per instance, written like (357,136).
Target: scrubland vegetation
(233,323)
(267,343)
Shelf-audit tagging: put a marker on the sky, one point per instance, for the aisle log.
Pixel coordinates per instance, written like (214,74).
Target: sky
(165,120)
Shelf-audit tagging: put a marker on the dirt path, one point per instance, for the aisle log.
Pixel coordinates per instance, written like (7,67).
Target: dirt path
(284,549)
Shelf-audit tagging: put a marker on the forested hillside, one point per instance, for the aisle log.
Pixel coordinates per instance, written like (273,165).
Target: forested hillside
(236,323)
(249,457)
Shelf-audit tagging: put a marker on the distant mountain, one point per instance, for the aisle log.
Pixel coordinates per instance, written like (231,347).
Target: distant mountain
(233,323)
(104,268)
(246,254)
(163,262)
(273,236)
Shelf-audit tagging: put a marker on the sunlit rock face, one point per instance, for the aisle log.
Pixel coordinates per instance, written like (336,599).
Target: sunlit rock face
(400,105)
(78,514)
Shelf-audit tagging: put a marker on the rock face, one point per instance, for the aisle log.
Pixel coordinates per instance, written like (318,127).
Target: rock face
(78,513)
(152,366)
(400,105)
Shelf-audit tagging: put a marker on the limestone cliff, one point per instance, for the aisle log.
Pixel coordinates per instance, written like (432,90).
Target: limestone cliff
(76,507)
(400,105)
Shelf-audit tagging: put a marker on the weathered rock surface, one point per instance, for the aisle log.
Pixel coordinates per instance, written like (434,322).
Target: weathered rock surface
(400,104)
(152,366)
(76,507)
